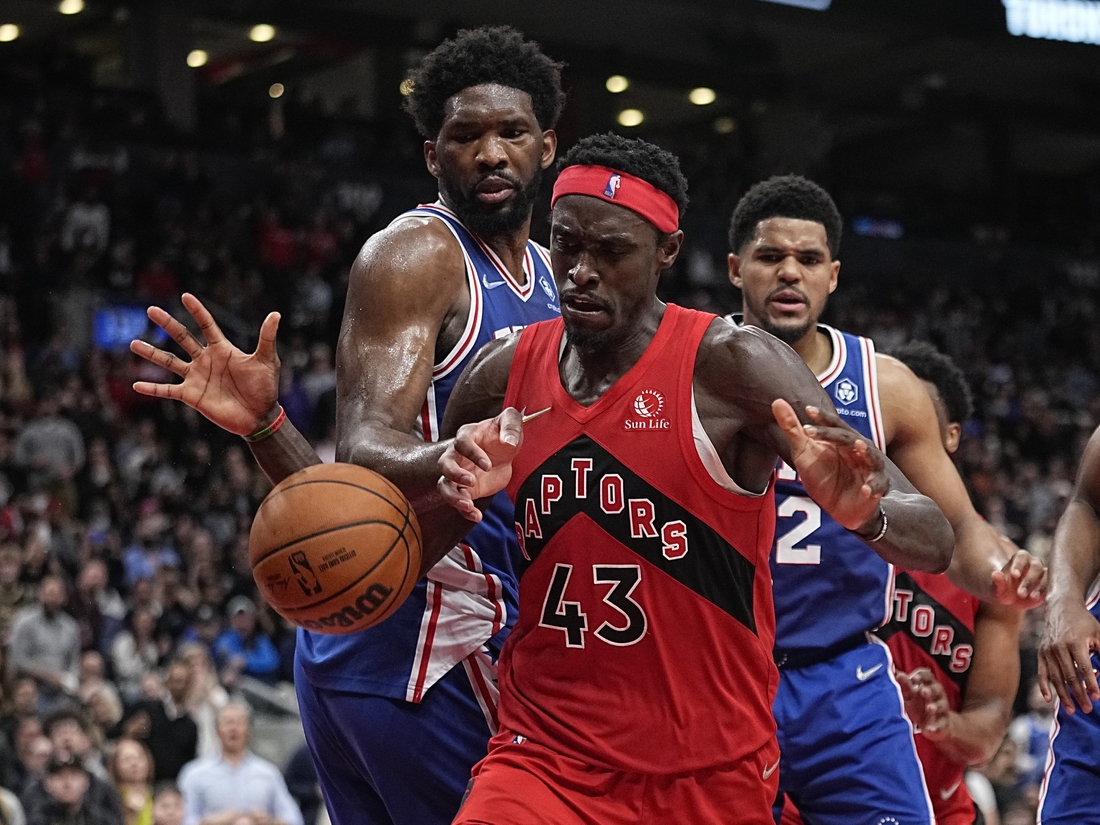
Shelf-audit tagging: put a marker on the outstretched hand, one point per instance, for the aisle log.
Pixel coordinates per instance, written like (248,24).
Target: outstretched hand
(234,390)
(478,462)
(840,469)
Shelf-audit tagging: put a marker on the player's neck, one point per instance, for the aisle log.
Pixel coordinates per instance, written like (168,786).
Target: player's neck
(587,372)
(511,249)
(816,349)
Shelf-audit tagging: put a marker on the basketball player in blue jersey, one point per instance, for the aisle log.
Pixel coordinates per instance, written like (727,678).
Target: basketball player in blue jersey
(848,756)
(395,716)
(1069,655)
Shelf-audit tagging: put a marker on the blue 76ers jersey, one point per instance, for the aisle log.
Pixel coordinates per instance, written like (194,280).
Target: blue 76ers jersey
(469,599)
(828,584)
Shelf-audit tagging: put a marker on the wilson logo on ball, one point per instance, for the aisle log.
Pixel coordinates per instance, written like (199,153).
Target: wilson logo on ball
(370,600)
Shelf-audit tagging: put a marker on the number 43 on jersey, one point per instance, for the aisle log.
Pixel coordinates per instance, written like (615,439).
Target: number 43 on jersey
(569,616)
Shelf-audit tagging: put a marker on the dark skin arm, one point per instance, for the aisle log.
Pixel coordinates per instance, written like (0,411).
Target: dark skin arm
(972,735)
(749,423)
(1071,632)
(982,563)
(749,438)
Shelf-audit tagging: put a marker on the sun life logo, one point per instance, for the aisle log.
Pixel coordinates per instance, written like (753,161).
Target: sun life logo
(612,187)
(649,404)
(846,391)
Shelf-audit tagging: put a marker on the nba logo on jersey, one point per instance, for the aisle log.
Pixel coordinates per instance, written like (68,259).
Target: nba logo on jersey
(549,290)
(612,187)
(846,391)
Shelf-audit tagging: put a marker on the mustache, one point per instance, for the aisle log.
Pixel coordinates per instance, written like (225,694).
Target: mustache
(566,295)
(507,177)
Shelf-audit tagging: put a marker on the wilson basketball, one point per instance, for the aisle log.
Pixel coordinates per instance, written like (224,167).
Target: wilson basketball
(335,548)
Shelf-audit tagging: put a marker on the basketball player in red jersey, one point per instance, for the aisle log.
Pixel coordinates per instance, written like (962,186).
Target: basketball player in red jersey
(958,658)
(637,682)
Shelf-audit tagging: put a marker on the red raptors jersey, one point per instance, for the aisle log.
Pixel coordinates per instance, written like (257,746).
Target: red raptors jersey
(645,625)
(932,625)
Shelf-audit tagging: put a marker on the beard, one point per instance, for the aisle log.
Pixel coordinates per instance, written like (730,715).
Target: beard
(787,334)
(492,220)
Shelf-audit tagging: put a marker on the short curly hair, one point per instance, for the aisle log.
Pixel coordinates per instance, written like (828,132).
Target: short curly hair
(635,157)
(490,54)
(929,364)
(785,196)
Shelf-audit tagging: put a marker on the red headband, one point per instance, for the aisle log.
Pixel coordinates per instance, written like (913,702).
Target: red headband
(621,189)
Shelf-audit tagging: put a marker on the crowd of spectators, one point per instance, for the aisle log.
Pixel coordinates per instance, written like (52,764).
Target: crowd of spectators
(128,614)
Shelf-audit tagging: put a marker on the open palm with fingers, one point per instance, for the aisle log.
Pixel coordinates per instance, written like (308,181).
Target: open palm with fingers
(233,389)
(839,469)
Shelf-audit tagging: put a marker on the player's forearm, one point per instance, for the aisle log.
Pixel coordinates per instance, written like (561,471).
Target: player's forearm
(284,452)
(917,536)
(411,464)
(973,736)
(979,553)
(1074,556)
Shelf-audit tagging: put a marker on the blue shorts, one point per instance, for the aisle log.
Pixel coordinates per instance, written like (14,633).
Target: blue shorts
(1070,792)
(848,756)
(383,761)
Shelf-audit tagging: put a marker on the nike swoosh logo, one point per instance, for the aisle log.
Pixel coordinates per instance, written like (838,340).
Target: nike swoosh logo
(949,792)
(864,675)
(491,284)
(533,415)
(769,771)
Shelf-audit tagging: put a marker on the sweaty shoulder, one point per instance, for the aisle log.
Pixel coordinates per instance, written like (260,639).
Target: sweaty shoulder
(746,364)
(906,406)
(414,251)
(480,391)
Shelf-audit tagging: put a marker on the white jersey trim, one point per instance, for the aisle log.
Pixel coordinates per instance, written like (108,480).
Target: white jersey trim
(465,608)
(709,457)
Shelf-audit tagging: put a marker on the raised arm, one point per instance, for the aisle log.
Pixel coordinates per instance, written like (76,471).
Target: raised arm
(1071,633)
(982,563)
(739,378)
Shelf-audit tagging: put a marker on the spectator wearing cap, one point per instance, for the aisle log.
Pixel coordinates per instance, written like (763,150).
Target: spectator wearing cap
(164,724)
(45,643)
(218,790)
(69,795)
(243,649)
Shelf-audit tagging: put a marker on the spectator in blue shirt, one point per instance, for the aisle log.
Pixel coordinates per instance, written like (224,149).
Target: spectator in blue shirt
(243,649)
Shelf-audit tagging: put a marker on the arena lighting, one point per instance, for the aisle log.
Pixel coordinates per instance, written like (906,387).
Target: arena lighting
(261,33)
(276,90)
(816,5)
(197,58)
(616,84)
(702,96)
(71,6)
(725,125)
(9,32)
(406,87)
(1074,21)
(631,117)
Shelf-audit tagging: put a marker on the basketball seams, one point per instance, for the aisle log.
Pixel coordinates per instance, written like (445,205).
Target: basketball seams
(388,509)
(378,562)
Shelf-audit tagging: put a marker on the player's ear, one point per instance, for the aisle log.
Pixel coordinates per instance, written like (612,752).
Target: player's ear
(833,275)
(669,249)
(431,158)
(734,264)
(952,436)
(549,148)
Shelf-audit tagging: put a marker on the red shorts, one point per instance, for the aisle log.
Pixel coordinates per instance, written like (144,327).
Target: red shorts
(521,782)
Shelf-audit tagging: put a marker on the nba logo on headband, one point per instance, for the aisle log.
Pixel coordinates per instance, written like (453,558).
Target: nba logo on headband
(613,183)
